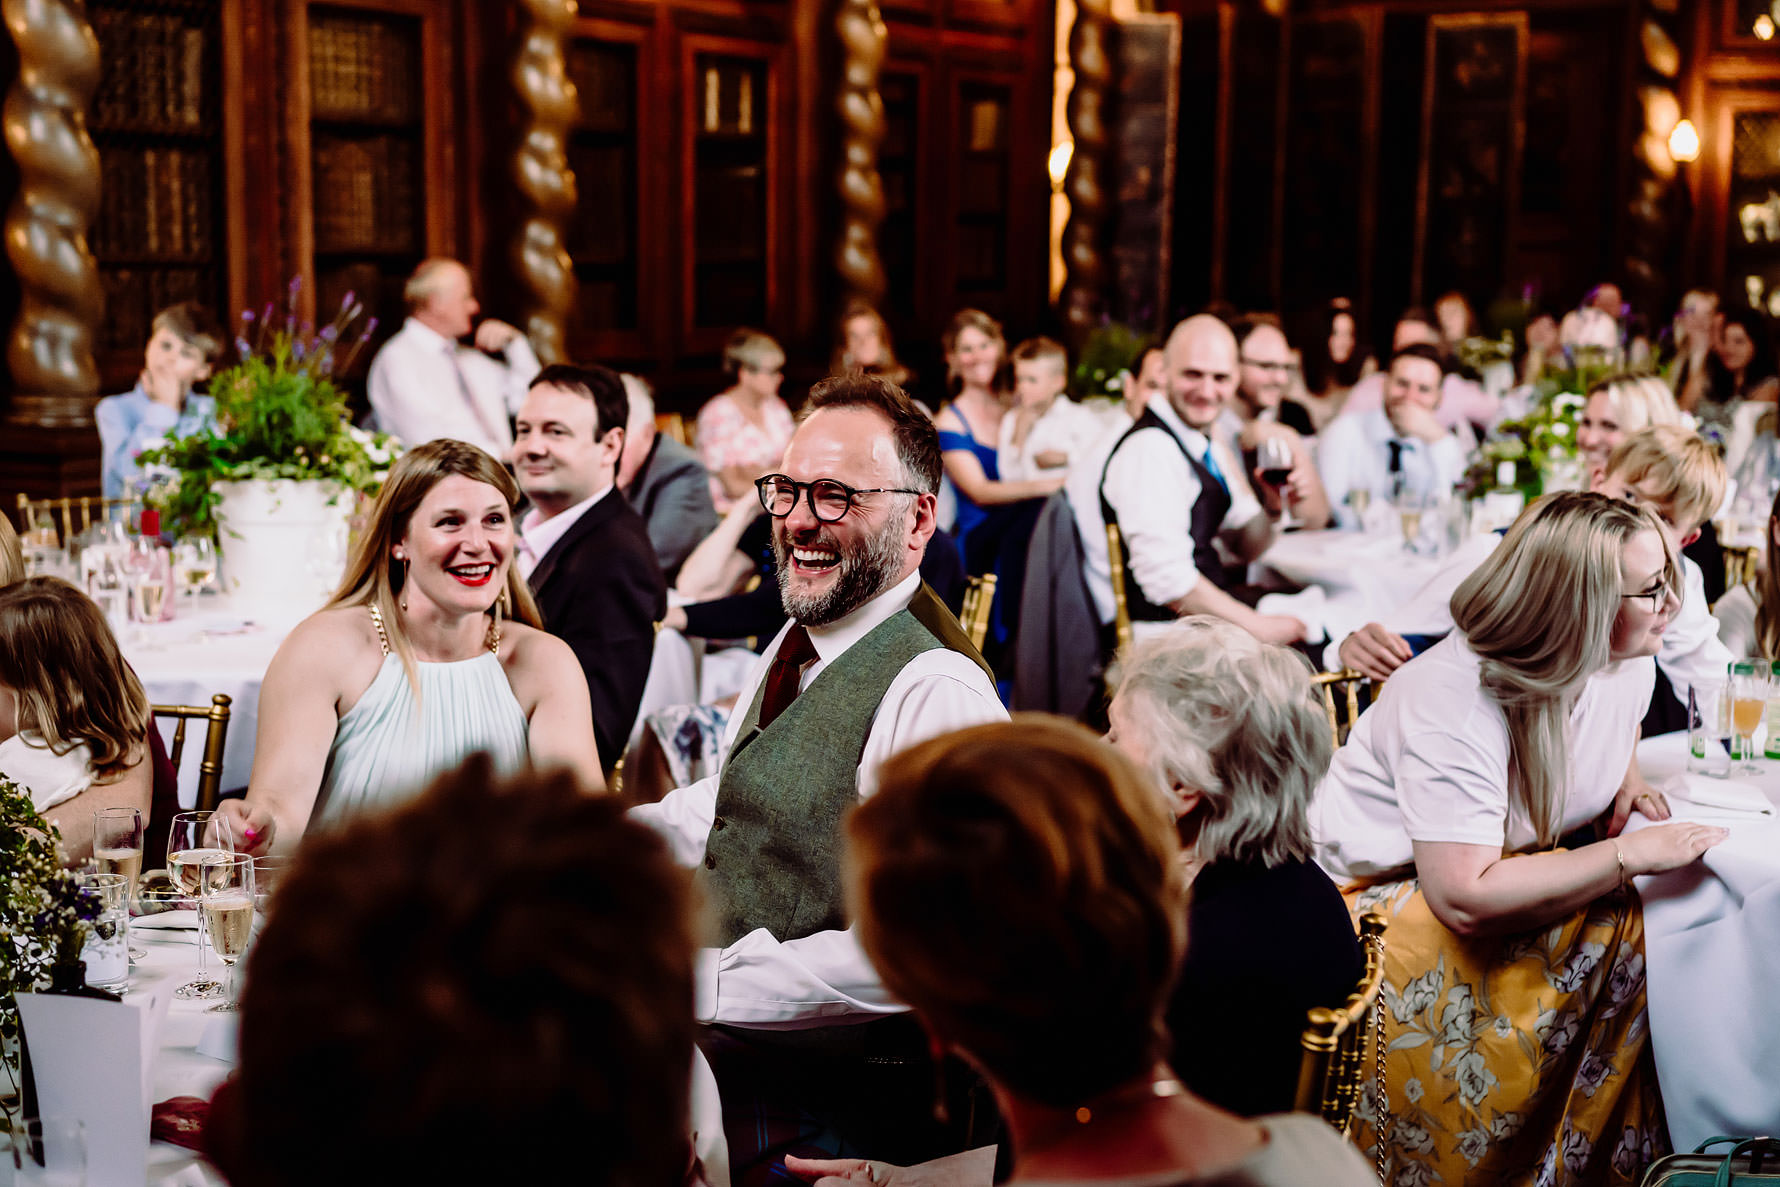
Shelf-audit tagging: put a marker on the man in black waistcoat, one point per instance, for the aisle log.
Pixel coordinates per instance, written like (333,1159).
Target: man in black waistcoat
(1180,498)
(810,1052)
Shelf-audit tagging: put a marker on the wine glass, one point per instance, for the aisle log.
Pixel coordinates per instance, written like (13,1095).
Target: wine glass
(1750,683)
(1410,506)
(1360,499)
(225,888)
(194,564)
(1273,461)
(193,838)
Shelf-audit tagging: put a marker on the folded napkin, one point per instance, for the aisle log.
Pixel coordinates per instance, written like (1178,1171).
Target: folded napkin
(180,920)
(1307,606)
(1721,795)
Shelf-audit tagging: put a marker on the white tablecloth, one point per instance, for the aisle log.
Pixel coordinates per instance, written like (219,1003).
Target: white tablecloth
(1363,575)
(1712,959)
(200,653)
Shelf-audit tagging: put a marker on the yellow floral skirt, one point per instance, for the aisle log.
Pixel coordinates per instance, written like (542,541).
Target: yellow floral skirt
(1513,1059)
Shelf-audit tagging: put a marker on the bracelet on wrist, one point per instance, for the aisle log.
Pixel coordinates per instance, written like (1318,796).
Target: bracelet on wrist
(1619,857)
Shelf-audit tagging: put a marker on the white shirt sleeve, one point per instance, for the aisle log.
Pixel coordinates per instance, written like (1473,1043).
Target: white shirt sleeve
(762,981)
(1448,457)
(1010,459)
(401,408)
(1152,489)
(522,368)
(1452,787)
(683,818)
(1691,652)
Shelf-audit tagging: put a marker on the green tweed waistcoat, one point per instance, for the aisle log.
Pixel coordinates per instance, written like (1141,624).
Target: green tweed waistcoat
(772,858)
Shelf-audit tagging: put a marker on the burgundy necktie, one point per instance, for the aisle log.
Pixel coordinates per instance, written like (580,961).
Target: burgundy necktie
(786,673)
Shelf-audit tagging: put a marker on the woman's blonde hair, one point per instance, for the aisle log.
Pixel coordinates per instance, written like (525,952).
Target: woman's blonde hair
(1539,613)
(375,578)
(1235,719)
(854,310)
(59,655)
(12,554)
(1639,401)
(1021,886)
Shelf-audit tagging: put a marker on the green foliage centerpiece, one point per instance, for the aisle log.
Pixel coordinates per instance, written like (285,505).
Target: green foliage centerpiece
(279,415)
(44,920)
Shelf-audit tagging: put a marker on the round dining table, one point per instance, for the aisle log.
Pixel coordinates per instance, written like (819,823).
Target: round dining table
(1712,951)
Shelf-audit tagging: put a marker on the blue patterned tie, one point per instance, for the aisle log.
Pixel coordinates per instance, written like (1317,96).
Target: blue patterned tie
(1210,462)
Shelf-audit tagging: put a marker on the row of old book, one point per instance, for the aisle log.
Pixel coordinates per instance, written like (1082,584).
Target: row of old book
(154,203)
(362,69)
(151,72)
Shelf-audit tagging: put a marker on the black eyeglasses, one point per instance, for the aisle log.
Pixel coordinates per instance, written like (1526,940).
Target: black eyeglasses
(1658,594)
(829,500)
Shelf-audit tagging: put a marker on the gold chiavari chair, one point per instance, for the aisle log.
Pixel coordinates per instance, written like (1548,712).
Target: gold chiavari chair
(1741,563)
(1115,556)
(89,507)
(1349,681)
(210,767)
(973,616)
(1333,1072)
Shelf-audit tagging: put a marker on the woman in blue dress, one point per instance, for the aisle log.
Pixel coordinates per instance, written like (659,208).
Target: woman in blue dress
(431,650)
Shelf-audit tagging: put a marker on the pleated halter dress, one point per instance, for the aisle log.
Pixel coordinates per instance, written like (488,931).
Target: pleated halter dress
(389,745)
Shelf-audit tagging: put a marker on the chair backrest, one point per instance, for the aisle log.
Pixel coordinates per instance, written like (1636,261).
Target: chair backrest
(210,767)
(1333,1071)
(88,507)
(1340,723)
(1741,563)
(979,599)
(1115,558)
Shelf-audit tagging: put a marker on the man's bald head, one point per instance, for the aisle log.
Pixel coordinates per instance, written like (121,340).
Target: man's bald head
(1202,369)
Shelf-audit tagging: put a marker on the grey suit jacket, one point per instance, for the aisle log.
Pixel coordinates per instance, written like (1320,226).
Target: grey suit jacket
(672,492)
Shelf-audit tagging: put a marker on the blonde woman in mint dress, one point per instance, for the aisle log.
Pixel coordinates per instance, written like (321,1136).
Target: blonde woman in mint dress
(431,650)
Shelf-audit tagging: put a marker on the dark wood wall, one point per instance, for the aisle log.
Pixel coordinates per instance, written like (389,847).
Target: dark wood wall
(1389,152)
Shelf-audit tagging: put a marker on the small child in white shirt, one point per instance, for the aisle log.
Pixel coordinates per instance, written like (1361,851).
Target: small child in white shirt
(1046,430)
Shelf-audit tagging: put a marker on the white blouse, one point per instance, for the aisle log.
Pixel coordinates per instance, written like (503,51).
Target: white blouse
(1429,762)
(51,778)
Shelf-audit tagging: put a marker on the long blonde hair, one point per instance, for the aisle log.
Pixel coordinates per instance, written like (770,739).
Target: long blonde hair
(12,554)
(375,578)
(1539,613)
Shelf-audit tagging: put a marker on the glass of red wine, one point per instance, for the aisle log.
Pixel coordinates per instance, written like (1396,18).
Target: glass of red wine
(1273,461)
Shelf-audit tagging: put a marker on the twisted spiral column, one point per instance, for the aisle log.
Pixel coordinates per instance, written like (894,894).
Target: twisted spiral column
(540,171)
(50,349)
(861,108)
(1088,114)
(1656,208)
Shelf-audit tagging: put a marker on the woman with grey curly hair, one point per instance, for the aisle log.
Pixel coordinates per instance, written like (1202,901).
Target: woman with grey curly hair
(1231,728)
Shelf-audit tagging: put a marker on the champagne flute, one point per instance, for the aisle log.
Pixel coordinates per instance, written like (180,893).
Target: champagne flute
(1273,461)
(194,561)
(226,901)
(1360,499)
(193,838)
(1410,505)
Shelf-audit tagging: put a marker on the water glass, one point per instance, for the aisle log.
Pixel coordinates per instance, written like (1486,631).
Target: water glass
(107,950)
(51,1152)
(1709,729)
(194,565)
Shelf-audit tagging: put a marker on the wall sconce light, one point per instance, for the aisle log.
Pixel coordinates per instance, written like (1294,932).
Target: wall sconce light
(1684,143)
(1764,27)
(1058,164)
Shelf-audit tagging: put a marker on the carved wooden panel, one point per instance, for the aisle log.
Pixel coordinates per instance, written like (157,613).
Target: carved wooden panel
(1326,161)
(1147,74)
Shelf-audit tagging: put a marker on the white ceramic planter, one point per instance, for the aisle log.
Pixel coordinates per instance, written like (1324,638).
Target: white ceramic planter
(283,545)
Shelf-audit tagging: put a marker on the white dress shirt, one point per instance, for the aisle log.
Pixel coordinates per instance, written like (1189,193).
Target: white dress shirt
(1356,455)
(537,535)
(1066,427)
(1692,652)
(419,394)
(1463,402)
(1152,489)
(786,984)
(1429,761)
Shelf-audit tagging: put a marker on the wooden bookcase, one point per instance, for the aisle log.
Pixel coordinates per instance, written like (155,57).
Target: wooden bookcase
(160,236)
(369,151)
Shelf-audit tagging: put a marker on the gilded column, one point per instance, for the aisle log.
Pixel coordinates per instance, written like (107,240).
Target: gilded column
(1084,235)
(861,108)
(50,349)
(540,171)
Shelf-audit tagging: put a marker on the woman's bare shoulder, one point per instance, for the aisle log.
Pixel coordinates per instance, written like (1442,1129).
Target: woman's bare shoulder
(331,640)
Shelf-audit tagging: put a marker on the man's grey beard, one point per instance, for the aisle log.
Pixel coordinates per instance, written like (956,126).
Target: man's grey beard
(867,569)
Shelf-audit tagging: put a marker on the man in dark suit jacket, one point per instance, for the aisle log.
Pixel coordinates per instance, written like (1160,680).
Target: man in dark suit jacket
(582,546)
(666,482)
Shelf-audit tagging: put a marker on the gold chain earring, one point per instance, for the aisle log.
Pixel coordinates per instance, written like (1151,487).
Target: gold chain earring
(403,600)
